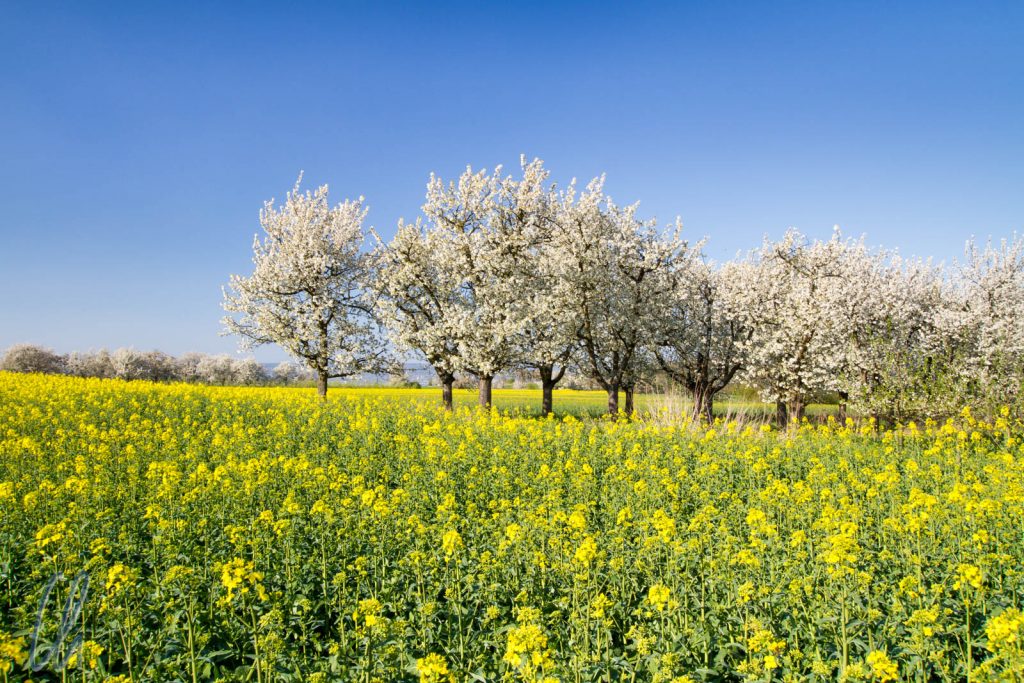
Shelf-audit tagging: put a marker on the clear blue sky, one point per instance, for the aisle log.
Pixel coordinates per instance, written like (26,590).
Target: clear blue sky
(138,141)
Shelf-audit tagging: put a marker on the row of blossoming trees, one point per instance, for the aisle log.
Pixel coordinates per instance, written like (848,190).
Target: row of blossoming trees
(504,272)
(152,366)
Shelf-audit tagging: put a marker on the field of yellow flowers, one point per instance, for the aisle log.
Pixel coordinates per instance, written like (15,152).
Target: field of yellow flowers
(190,533)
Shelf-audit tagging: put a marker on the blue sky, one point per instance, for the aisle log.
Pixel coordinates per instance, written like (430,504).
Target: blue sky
(138,141)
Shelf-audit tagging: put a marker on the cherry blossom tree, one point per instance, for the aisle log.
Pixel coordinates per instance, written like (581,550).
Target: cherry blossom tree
(309,290)
(547,333)
(461,286)
(248,372)
(91,364)
(487,243)
(500,228)
(860,298)
(990,284)
(153,366)
(129,364)
(289,373)
(884,311)
(186,367)
(420,298)
(545,320)
(32,358)
(897,363)
(507,272)
(621,272)
(700,344)
(219,369)
(794,347)
(925,342)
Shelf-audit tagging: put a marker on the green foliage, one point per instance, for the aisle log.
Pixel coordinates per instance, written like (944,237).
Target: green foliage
(261,534)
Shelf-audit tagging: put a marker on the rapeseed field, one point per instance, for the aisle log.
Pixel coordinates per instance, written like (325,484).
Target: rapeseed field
(174,532)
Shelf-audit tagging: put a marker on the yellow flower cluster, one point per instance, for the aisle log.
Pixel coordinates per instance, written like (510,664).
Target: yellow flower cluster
(450,543)
(1005,633)
(968,576)
(12,651)
(882,668)
(242,532)
(433,669)
(527,651)
(89,652)
(239,579)
(658,596)
(368,614)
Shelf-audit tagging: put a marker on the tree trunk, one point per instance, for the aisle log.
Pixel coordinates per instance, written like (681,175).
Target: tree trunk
(796,412)
(781,414)
(323,362)
(613,400)
(485,391)
(629,400)
(844,398)
(702,402)
(446,392)
(547,385)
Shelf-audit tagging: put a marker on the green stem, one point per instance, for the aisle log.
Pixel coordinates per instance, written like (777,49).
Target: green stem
(256,646)
(967,607)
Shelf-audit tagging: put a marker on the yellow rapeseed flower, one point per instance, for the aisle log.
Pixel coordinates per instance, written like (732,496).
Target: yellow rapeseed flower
(882,668)
(433,669)
(658,596)
(451,542)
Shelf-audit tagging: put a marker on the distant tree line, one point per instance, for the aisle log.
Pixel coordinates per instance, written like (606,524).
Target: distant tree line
(511,273)
(153,366)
